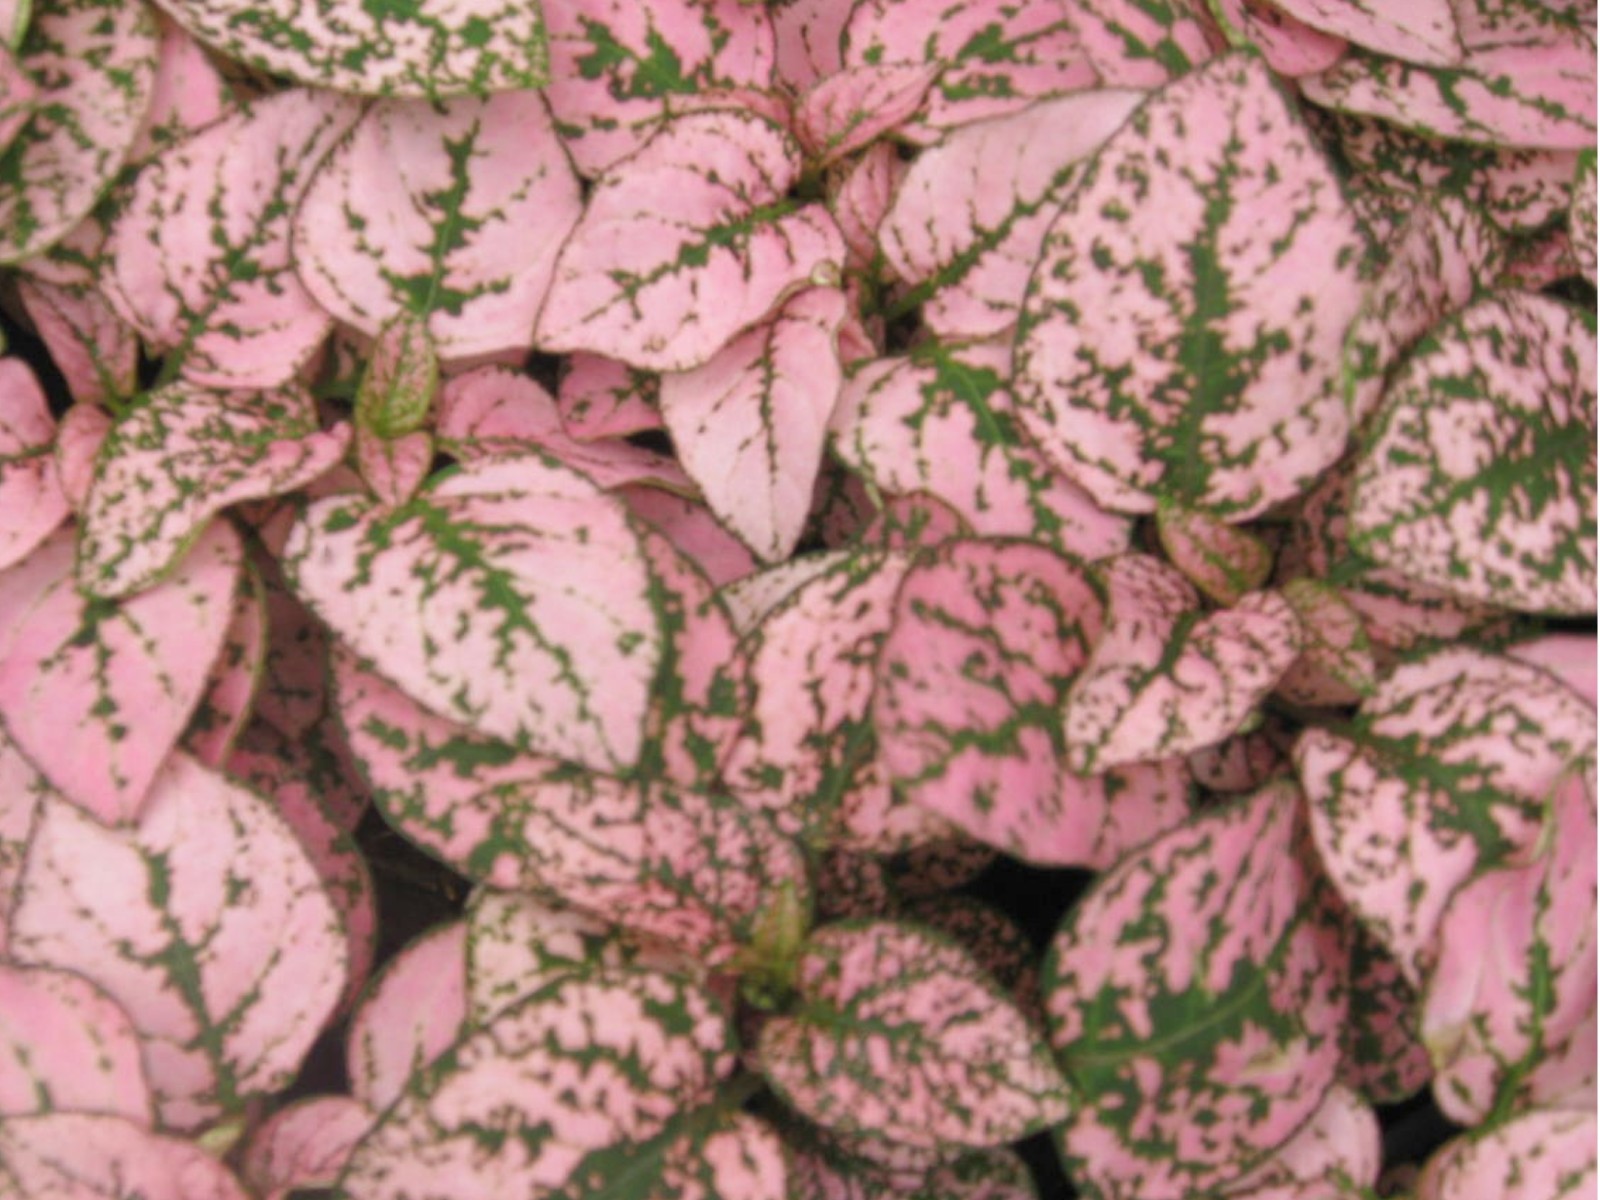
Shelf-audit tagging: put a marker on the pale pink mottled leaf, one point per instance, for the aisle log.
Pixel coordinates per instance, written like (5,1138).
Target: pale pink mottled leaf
(538,583)
(1585,215)
(853,107)
(749,424)
(1165,678)
(944,421)
(400,380)
(618,68)
(200,259)
(78,439)
(19,95)
(750,598)
(95,64)
(394,468)
(1190,348)
(859,195)
(554,1091)
(1340,1145)
(686,243)
(916,520)
(1508,1010)
(379,50)
(969,221)
(91,1156)
(1132,44)
(162,642)
(451,212)
(1336,664)
(1479,475)
(413,1012)
(1419,31)
(875,819)
(998,56)
(1222,560)
(1290,46)
(178,460)
(65,1046)
(293,692)
(808,35)
(302,1146)
(1571,658)
(190,92)
(602,398)
(1241,763)
(902,1033)
(1193,1005)
(1428,785)
(227,960)
(1543,1154)
(21,790)
(319,755)
(224,708)
(1384,1058)
(32,503)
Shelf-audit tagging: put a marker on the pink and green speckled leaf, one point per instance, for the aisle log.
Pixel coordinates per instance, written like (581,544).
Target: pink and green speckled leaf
(452,213)
(851,108)
(1341,1142)
(902,1033)
(1479,475)
(401,380)
(379,50)
(1336,664)
(94,63)
(1570,657)
(1422,31)
(1190,349)
(21,791)
(969,220)
(535,577)
(859,194)
(1137,45)
(1543,1154)
(992,937)
(1222,560)
(1166,678)
(225,706)
(944,421)
(1290,46)
(602,398)
(124,675)
(686,243)
(1423,789)
(749,425)
(1508,1010)
(303,1146)
(65,1046)
(394,468)
(177,461)
(1241,763)
(190,92)
(1584,216)
(19,96)
(1384,1058)
(1192,1006)
(227,962)
(808,33)
(96,1156)
(83,428)
(216,290)
(557,1095)
(32,503)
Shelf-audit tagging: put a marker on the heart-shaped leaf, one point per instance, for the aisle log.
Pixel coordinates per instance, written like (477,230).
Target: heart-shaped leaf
(179,459)
(303,1146)
(227,961)
(1192,1006)
(686,243)
(1132,44)
(535,583)
(1190,348)
(1222,560)
(452,213)
(88,1156)
(1545,1154)
(216,291)
(125,676)
(1479,477)
(32,503)
(902,1033)
(414,1011)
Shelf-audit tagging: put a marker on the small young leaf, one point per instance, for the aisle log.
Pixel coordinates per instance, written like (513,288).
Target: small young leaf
(303,1146)
(1291,47)
(79,437)
(1542,1154)
(1384,1058)
(401,378)
(1222,560)
(1336,664)
(91,1156)
(394,468)
(851,108)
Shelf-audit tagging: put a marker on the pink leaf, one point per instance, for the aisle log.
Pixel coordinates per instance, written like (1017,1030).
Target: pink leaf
(1131,44)
(84,1156)
(1584,216)
(414,1011)
(303,1146)
(190,92)
(32,502)
(691,527)
(992,937)
(206,923)
(685,244)
(177,461)
(1222,560)
(97,64)
(855,106)
(1165,679)
(1193,1005)
(452,212)
(901,1033)
(1422,31)
(21,790)
(537,583)
(1479,475)
(1571,658)
(749,424)
(1542,1154)
(217,288)
(224,708)
(78,440)
(401,379)
(1336,664)
(394,468)
(124,676)
(320,757)
(1341,1141)
(859,195)
(1139,380)
(808,33)
(1241,763)
(1291,47)
(1384,1057)
(65,1046)
(19,96)
(601,398)
(293,692)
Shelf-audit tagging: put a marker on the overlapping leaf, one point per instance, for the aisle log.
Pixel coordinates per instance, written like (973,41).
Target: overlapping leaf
(1336,664)
(1545,1154)
(18,96)
(1223,561)
(225,706)
(1190,348)
(1585,215)
(96,1156)
(415,1010)
(853,107)
(1290,46)
(21,791)
(302,1146)
(600,397)
(190,91)
(1132,44)
(1423,31)
(32,503)
(1340,1147)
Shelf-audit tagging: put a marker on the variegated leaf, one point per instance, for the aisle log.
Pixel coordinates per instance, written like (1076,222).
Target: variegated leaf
(227,961)
(855,106)
(1193,1007)
(1571,658)
(1542,1154)
(32,503)
(190,92)
(21,791)
(78,439)
(1426,787)
(1290,46)
(93,1156)
(94,62)
(859,195)
(394,468)
(901,1033)
(968,222)
(1336,664)
(1166,679)
(944,421)
(124,676)
(555,1091)
(1222,560)
(1137,45)
(1190,348)
(602,398)
(1384,1058)
(180,458)
(450,212)
(224,708)
(686,243)
(19,95)
(1241,763)
(808,33)
(400,381)
(302,1146)
(1341,1144)
(1585,215)
(466,49)
(1479,476)
(537,586)
(200,260)
(1420,31)
(749,424)
(992,937)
